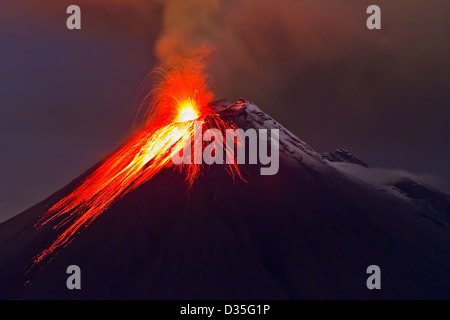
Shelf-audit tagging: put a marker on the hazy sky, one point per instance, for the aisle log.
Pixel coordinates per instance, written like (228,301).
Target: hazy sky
(68,98)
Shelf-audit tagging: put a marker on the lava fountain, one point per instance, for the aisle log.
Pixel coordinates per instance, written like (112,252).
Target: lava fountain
(181,97)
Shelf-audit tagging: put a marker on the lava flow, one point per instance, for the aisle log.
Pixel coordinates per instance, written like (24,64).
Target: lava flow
(181,98)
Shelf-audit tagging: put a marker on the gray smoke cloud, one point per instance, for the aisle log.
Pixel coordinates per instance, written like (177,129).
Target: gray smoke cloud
(189,29)
(315,67)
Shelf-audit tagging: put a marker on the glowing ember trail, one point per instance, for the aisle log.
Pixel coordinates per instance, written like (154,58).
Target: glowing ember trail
(181,97)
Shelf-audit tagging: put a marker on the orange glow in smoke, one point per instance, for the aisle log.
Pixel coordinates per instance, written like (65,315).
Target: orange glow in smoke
(181,97)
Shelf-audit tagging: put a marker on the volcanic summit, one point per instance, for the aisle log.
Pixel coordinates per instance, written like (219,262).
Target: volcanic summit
(309,231)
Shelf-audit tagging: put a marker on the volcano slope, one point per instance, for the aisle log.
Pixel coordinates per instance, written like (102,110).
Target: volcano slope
(308,232)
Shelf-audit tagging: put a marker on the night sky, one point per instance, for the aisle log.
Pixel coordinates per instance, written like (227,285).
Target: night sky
(69,98)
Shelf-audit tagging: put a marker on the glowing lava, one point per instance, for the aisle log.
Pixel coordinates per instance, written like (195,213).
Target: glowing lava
(187,111)
(181,97)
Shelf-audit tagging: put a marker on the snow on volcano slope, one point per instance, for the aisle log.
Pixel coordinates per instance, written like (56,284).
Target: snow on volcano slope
(309,231)
(398,183)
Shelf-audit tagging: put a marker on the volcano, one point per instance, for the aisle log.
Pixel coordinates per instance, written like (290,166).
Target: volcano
(308,232)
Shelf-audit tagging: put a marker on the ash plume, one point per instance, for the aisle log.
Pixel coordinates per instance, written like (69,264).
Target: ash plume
(188,30)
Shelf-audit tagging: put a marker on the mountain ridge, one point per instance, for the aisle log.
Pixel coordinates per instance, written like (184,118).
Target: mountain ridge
(310,232)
